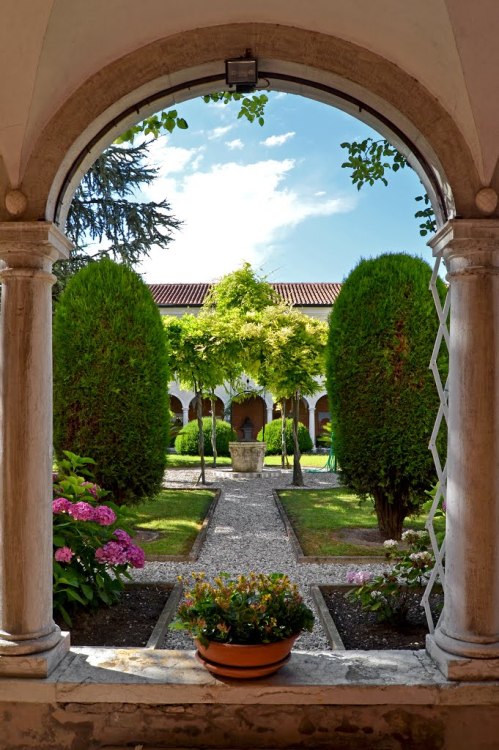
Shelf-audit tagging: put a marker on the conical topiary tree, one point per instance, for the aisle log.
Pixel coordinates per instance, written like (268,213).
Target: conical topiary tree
(111,379)
(382,395)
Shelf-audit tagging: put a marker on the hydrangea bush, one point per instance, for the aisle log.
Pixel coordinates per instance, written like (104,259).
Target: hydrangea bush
(388,594)
(92,553)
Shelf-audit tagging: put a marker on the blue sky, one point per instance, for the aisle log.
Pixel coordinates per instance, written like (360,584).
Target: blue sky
(275,196)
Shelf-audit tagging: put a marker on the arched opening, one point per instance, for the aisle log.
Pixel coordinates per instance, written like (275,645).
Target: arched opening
(207,408)
(322,415)
(248,416)
(303,415)
(431,714)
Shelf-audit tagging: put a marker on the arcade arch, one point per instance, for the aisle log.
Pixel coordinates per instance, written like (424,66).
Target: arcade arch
(337,72)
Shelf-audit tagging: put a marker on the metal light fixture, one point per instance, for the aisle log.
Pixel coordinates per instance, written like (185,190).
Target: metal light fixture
(242,72)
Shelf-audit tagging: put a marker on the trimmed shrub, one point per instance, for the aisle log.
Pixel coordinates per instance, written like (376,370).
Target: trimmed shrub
(186,442)
(382,395)
(111,379)
(273,438)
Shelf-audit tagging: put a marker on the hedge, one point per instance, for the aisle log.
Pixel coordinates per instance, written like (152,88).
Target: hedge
(186,442)
(111,379)
(273,437)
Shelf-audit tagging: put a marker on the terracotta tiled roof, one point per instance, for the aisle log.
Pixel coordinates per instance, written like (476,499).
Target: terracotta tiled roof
(299,293)
(178,295)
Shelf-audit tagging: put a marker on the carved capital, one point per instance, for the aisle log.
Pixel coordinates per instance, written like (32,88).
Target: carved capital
(470,247)
(32,244)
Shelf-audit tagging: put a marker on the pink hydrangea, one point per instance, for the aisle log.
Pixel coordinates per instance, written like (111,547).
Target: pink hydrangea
(122,536)
(91,488)
(136,556)
(112,553)
(61,505)
(82,511)
(64,554)
(104,515)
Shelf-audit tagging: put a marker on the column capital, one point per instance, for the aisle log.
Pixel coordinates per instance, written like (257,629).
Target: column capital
(32,244)
(468,246)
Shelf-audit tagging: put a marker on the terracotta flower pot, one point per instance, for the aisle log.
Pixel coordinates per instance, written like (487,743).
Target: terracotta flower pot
(242,661)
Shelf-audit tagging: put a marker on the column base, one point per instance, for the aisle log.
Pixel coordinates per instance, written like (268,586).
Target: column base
(462,668)
(39,664)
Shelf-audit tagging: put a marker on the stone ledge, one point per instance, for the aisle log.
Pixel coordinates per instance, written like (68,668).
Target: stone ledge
(98,675)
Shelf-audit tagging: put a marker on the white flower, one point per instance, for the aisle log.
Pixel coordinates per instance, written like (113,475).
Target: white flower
(390,544)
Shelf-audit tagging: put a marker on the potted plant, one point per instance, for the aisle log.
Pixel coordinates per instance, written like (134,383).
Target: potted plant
(243,627)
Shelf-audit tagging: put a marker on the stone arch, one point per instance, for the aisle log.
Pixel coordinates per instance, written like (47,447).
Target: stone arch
(189,64)
(219,408)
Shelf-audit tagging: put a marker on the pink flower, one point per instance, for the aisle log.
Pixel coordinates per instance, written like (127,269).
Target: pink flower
(82,511)
(104,516)
(122,536)
(64,554)
(61,505)
(358,577)
(113,553)
(91,488)
(136,556)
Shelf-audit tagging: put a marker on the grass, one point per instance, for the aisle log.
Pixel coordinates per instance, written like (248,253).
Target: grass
(175,461)
(317,514)
(178,516)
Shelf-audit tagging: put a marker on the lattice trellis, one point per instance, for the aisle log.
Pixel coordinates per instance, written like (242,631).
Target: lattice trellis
(438,572)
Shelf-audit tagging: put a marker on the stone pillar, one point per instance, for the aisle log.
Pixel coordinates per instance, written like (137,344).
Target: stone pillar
(185,415)
(30,642)
(469,628)
(270,412)
(311,424)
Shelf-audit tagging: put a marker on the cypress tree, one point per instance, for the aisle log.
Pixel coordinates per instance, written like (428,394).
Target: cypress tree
(111,379)
(382,395)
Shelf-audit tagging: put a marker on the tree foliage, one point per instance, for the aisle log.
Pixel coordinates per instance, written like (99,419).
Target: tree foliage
(111,379)
(242,291)
(382,396)
(369,161)
(291,361)
(204,353)
(105,210)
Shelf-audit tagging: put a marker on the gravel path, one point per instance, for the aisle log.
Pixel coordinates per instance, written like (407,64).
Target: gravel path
(247,533)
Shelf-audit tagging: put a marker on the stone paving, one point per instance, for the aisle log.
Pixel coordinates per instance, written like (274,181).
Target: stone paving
(246,533)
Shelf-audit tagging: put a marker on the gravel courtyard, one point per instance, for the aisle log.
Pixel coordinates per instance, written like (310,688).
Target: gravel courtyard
(247,533)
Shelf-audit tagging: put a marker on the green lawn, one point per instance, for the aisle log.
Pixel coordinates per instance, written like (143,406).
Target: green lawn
(177,514)
(175,461)
(317,515)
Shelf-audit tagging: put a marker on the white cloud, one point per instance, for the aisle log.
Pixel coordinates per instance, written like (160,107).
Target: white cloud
(232,213)
(320,193)
(219,132)
(236,143)
(173,159)
(277,140)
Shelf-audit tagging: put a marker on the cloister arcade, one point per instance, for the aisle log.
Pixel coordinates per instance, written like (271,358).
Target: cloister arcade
(74,76)
(254,405)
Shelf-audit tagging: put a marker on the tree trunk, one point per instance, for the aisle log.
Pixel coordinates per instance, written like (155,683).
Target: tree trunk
(199,413)
(284,450)
(390,516)
(214,431)
(297,472)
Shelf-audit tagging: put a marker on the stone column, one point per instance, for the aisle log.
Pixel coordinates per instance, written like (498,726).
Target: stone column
(311,424)
(270,411)
(30,642)
(185,415)
(469,628)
